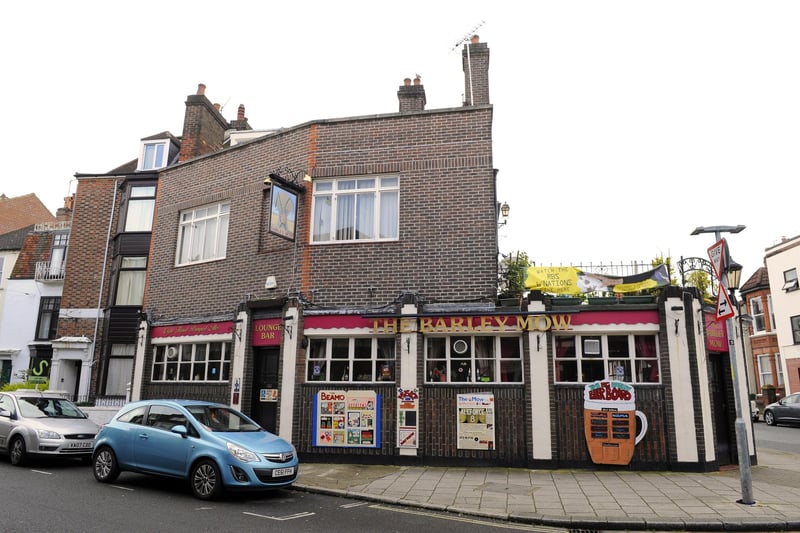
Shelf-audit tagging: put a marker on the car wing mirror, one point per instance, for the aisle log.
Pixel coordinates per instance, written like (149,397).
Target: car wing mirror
(180,430)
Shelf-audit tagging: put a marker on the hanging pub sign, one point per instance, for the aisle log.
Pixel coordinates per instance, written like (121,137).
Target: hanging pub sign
(476,422)
(349,419)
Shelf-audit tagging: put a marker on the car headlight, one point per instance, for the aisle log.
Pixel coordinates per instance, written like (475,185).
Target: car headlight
(47,434)
(242,454)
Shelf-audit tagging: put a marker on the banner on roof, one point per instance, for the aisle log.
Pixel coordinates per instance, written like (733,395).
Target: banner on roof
(571,280)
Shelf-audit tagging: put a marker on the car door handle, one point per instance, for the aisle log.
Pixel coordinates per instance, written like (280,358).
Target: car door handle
(144,436)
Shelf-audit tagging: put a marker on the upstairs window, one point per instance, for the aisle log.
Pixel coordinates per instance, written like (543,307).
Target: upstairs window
(140,208)
(130,281)
(757,310)
(48,318)
(790,280)
(58,254)
(203,233)
(153,155)
(795,321)
(356,209)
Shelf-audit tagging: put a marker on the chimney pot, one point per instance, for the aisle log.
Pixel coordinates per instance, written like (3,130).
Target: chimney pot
(240,114)
(201,88)
(475,39)
(407,82)
(216,106)
(417,80)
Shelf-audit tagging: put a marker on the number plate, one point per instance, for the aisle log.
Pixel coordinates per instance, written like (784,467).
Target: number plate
(86,444)
(280,472)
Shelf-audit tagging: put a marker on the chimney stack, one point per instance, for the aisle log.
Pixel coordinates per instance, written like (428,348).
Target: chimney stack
(412,98)
(240,124)
(203,126)
(475,58)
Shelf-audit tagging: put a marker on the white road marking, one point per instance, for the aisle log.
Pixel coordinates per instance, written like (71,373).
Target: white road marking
(281,518)
(351,505)
(122,488)
(42,472)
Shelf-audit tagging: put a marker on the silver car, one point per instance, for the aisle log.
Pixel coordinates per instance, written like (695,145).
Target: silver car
(785,410)
(42,424)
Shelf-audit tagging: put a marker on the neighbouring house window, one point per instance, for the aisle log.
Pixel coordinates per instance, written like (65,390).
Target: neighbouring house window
(48,318)
(779,369)
(58,254)
(473,359)
(130,281)
(757,310)
(352,359)
(120,369)
(140,208)
(764,370)
(207,361)
(203,233)
(587,358)
(356,209)
(2,262)
(795,321)
(771,312)
(153,155)
(790,280)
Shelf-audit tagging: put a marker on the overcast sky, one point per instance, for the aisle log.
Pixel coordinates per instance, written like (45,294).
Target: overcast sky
(619,127)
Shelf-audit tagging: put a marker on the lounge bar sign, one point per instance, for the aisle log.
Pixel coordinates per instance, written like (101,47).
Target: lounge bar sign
(267,332)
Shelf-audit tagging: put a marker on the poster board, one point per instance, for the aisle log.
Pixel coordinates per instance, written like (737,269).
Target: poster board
(476,430)
(349,419)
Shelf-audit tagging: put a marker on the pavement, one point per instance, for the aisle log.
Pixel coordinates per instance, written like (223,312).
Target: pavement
(580,500)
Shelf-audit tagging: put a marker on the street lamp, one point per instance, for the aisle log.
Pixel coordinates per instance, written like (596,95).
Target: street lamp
(731,271)
(504,211)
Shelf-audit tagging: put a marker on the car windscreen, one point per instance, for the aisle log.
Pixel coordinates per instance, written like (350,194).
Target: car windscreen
(38,407)
(221,419)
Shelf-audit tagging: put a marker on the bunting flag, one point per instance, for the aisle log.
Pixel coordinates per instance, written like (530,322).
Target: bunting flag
(570,280)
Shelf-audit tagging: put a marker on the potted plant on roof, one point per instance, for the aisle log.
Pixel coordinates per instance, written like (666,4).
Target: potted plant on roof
(511,286)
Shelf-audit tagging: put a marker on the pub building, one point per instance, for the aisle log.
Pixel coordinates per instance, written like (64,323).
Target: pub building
(337,281)
(542,385)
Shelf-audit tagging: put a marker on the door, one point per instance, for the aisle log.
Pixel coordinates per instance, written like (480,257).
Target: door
(720,404)
(5,372)
(264,407)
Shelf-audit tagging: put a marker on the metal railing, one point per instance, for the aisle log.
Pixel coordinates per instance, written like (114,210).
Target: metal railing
(49,270)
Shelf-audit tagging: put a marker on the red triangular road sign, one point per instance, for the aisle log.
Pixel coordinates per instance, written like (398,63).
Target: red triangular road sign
(724,305)
(716,253)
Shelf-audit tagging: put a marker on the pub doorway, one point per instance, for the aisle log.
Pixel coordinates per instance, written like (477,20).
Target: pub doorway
(723,408)
(264,407)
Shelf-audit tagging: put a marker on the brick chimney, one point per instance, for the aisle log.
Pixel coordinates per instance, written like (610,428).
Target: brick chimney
(241,120)
(475,58)
(203,126)
(64,214)
(412,97)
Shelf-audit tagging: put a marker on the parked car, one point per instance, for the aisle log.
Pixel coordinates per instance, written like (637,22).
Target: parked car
(784,410)
(43,424)
(211,445)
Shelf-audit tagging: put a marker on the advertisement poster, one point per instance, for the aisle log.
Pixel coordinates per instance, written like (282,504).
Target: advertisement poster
(407,409)
(347,419)
(476,422)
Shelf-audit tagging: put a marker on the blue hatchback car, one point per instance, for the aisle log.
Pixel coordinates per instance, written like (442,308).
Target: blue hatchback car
(213,446)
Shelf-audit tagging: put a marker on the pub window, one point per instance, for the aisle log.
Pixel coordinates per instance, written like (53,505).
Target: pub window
(622,357)
(473,359)
(351,359)
(206,361)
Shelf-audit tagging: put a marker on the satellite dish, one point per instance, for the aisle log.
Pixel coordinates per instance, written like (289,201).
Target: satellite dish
(172,352)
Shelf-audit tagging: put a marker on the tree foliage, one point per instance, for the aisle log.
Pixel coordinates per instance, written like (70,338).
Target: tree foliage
(512,275)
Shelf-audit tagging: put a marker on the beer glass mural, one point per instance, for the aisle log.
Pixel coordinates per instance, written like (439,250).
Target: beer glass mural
(609,422)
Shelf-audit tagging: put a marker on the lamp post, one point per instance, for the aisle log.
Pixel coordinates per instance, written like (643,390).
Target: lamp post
(729,276)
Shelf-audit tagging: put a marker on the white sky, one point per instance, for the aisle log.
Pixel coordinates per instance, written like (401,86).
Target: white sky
(619,126)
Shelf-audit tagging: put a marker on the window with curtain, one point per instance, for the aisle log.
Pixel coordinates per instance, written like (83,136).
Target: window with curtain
(356,209)
(764,370)
(48,318)
(139,208)
(120,369)
(623,357)
(203,234)
(130,281)
(206,361)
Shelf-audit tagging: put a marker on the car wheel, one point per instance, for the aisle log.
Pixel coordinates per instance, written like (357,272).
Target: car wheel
(206,480)
(105,465)
(17,452)
(769,418)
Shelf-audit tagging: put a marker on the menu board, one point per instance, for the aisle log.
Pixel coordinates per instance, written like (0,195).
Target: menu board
(476,422)
(347,419)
